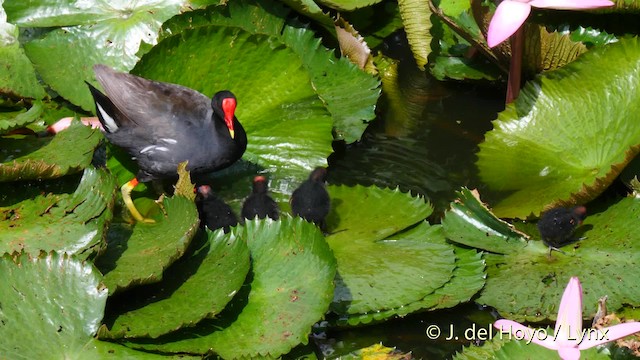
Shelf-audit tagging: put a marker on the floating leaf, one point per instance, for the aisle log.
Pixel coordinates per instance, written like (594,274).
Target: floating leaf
(591,37)
(73,223)
(28,157)
(353,45)
(467,279)
(17,75)
(568,135)
(379,266)
(527,282)
(347,92)
(506,346)
(311,10)
(283,117)
(284,300)
(416,18)
(184,186)
(470,223)
(17,119)
(94,32)
(194,288)
(547,51)
(376,23)
(58,296)
(139,254)
(348,5)
(106,350)
(62,300)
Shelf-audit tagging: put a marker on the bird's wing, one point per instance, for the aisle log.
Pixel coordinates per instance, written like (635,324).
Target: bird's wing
(153,104)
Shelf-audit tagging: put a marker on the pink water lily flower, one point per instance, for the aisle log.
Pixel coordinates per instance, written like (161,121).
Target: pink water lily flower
(569,337)
(64,123)
(511,14)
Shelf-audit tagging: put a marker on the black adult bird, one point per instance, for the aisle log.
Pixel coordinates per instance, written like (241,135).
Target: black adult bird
(259,203)
(214,212)
(311,200)
(557,225)
(161,125)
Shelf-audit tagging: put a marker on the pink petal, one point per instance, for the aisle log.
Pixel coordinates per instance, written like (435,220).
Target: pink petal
(569,323)
(513,330)
(508,18)
(66,122)
(593,337)
(570,4)
(569,353)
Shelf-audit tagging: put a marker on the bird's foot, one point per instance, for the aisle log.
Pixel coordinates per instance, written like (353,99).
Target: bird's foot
(551,248)
(327,233)
(126,197)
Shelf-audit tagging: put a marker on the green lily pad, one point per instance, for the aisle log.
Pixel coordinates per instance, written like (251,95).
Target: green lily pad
(28,157)
(348,93)
(592,37)
(348,5)
(526,283)
(467,279)
(283,117)
(504,346)
(17,119)
(380,267)
(96,349)
(17,75)
(284,301)
(74,223)
(194,288)
(470,223)
(546,50)
(376,23)
(310,9)
(568,135)
(62,300)
(58,296)
(416,16)
(94,32)
(139,254)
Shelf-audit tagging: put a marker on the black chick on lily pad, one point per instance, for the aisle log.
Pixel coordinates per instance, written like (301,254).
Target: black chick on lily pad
(310,200)
(214,212)
(259,203)
(558,225)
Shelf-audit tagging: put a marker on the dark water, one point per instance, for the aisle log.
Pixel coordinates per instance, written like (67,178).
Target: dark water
(458,327)
(424,142)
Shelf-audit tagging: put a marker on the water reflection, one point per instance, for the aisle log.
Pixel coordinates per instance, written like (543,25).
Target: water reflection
(424,139)
(455,328)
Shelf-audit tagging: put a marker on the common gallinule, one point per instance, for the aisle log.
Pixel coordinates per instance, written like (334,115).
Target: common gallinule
(311,200)
(161,124)
(259,203)
(214,212)
(557,225)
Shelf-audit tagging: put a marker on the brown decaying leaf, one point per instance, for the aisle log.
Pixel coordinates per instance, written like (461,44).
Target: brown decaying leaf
(353,46)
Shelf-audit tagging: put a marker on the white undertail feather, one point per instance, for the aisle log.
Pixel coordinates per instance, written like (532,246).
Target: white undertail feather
(108,120)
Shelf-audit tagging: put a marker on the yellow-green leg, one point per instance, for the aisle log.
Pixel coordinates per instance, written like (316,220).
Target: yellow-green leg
(126,196)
